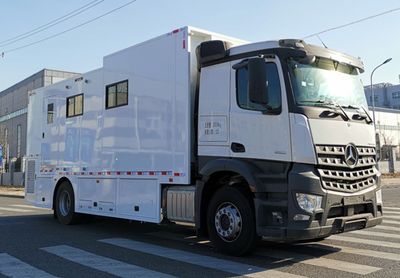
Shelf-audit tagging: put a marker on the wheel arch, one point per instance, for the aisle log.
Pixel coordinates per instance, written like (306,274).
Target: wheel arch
(235,172)
(59,182)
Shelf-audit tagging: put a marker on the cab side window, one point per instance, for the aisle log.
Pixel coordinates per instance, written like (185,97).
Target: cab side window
(273,85)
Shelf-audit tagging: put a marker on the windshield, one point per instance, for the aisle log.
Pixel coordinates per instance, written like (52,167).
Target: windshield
(326,82)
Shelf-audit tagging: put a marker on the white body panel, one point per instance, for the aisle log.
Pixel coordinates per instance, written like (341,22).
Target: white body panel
(301,141)
(117,158)
(263,136)
(329,132)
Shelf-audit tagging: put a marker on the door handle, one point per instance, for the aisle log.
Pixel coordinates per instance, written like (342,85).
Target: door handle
(238,148)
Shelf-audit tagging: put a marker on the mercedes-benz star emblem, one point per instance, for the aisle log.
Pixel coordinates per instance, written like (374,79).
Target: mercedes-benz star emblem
(351,155)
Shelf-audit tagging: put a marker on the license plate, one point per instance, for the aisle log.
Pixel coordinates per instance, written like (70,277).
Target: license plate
(353,200)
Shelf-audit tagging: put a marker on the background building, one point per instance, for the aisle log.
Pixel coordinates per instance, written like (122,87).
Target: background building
(387,113)
(13,119)
(386,95)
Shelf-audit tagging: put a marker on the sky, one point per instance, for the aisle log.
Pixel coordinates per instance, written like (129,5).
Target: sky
(82,50)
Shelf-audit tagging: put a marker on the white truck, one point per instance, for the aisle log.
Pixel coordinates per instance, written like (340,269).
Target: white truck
(245,140)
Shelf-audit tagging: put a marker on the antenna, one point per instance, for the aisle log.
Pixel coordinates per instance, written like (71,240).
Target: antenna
(321,41)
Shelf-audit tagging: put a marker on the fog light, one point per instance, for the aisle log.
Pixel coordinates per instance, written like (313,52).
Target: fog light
(309,202)
(379,196)
(300,217)
(277,217)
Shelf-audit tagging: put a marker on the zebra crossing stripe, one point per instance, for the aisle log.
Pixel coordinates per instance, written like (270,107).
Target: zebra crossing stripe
(354,251)
(14,209)
(366,241)
(377,234)
(105,264)
(199,260)
(391,208)
(387,228)
(386,212)
(13,267)
(321,262)
(28,207)
(392,217)
(390,222)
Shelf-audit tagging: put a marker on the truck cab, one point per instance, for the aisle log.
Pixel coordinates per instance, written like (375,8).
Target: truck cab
(286,124)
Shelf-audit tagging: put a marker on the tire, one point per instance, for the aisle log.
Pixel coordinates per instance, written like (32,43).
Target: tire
(231,221)
(65,204)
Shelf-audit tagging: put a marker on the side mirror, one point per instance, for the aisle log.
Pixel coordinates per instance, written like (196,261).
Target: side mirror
(258,90)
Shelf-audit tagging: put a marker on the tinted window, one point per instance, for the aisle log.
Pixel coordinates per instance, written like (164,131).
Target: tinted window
(75,106)
(117,94)
(50,113)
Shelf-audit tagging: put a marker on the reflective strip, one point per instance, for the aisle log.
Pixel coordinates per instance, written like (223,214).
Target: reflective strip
(199,260)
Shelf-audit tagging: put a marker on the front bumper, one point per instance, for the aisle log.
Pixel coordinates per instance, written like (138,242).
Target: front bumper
(340,212)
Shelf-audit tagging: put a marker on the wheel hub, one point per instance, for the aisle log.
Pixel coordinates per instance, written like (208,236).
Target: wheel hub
(228,222)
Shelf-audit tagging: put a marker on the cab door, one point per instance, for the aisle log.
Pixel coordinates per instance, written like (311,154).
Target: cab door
(255,132)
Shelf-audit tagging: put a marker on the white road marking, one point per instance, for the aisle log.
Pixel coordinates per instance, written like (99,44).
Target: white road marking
(29,207)
(200,260)
(391,222)
(377,234)
(391,217)
(355,251)
(105,264)
(13,267)
(15,209)
(366,241)
(390,208)
(387,228)
(319,245)
(321,262)
(387,212)
(180,237)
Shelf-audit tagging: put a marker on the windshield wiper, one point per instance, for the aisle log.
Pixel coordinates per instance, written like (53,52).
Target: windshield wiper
(341,109)
(365,115)
(329,104)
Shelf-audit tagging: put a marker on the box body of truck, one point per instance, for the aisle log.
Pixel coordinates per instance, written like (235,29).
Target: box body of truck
(133,132)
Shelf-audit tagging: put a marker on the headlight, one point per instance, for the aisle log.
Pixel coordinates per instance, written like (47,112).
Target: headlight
(309,202)
(379,196)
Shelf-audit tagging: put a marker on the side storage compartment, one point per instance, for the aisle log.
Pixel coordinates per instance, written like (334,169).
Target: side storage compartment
(139,199)
(97,195)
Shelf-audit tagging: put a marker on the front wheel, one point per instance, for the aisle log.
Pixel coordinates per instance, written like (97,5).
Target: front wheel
(231,221)
(65,204)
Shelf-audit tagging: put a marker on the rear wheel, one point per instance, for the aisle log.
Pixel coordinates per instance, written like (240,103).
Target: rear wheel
(65,204)
(231,221)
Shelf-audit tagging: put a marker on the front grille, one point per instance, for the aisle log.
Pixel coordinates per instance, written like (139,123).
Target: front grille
(338,176)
